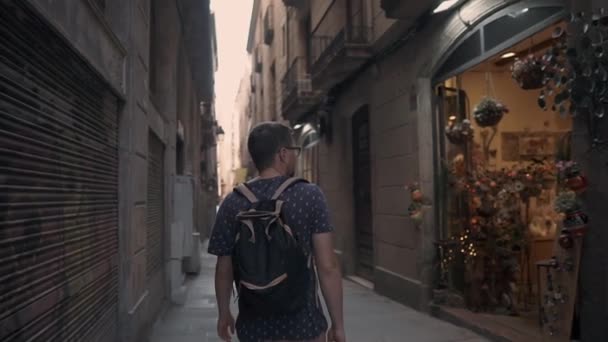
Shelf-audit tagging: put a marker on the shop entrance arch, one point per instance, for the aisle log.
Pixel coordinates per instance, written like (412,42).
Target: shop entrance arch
(491,240)
(500,30)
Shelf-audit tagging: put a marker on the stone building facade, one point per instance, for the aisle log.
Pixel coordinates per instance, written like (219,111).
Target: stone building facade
(128,86)
(363,75)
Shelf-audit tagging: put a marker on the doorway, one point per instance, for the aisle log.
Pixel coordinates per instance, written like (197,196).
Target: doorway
(364,237)
(499,222)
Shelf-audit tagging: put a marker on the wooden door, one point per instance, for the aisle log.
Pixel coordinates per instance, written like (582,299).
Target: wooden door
(362,194)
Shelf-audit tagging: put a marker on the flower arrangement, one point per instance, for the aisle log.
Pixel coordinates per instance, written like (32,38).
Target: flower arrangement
(528,72)
(415,210)
(570,174)
(568,168)
(489,112)
(567,202)
(459,133)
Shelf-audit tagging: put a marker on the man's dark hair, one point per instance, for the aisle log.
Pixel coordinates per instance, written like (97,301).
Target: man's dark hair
(265,141)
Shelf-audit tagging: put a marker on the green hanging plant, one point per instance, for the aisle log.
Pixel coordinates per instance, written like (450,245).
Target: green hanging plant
(489,112)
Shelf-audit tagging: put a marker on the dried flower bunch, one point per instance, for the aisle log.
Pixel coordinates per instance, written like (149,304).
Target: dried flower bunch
(489,112)
(415,210)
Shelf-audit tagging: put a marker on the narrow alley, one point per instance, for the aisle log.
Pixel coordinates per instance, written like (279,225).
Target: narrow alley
(454,156)
(369,317)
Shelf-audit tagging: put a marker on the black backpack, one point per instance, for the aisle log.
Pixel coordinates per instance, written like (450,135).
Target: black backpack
(272,271)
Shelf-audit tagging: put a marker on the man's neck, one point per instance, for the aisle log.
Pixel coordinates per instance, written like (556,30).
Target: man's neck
(270,173)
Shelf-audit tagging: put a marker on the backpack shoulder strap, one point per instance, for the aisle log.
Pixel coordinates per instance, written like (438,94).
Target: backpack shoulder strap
(244,190)
(285,185)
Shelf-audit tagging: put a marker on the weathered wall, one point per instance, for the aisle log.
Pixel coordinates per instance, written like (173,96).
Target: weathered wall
(399,91)
(335,178)
(88,29)
(116,41)
(328,17)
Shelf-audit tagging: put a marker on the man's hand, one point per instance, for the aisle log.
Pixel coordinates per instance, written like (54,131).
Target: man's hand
(223,292)
(225,327)
(330,278)
(336,335)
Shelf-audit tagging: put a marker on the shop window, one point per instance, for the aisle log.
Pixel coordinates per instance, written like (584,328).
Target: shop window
(499,185)
(513,24)
(496,33)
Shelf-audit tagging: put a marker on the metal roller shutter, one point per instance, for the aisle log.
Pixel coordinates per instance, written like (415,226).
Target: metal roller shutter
(58,188)
(155,200)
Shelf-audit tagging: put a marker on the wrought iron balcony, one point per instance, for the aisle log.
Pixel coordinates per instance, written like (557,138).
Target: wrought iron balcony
(337,57)
(298,96)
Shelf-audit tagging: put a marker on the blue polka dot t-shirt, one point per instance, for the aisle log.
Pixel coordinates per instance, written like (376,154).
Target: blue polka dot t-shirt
(305,211)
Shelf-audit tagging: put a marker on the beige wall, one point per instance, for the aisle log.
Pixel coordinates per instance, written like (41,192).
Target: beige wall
(399,93)
(524,114)
(380,23)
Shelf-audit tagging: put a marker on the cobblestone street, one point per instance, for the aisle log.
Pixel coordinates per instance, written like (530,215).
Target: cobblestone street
(369,317)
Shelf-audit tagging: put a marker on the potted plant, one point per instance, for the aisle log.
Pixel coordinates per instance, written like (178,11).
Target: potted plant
(489,112)
(528,72)
(458,133)
(575,220)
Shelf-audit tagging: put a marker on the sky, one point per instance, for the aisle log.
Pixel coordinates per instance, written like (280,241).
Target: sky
(232,27)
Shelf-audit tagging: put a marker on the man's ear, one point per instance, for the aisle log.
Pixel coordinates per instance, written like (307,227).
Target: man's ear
(283,155)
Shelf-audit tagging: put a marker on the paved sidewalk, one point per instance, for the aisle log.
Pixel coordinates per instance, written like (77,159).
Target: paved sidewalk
(369,317)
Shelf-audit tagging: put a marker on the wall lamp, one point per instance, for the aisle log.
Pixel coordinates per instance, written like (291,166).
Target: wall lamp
(445,5)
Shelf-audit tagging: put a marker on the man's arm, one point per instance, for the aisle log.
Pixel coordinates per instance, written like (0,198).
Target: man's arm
(330,277)
(223,293)
(223,284)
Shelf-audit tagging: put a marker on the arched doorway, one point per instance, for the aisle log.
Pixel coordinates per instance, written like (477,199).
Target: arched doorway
(362,190)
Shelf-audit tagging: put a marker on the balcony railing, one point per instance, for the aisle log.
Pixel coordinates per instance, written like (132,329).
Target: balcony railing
(325,47)
(298,94)
(297,76)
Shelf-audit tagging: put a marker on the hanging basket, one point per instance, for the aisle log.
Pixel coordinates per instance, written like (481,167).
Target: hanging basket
(528,73)
(459,133)
(489,112)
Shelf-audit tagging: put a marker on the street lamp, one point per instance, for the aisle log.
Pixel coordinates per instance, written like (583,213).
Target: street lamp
(219,132)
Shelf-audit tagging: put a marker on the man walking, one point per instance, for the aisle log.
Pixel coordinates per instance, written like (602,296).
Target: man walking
(266,235)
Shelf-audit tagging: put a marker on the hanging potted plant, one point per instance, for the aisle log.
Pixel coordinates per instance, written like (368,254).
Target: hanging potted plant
(528,72)
(489,112)
(458,133)
(575,220)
